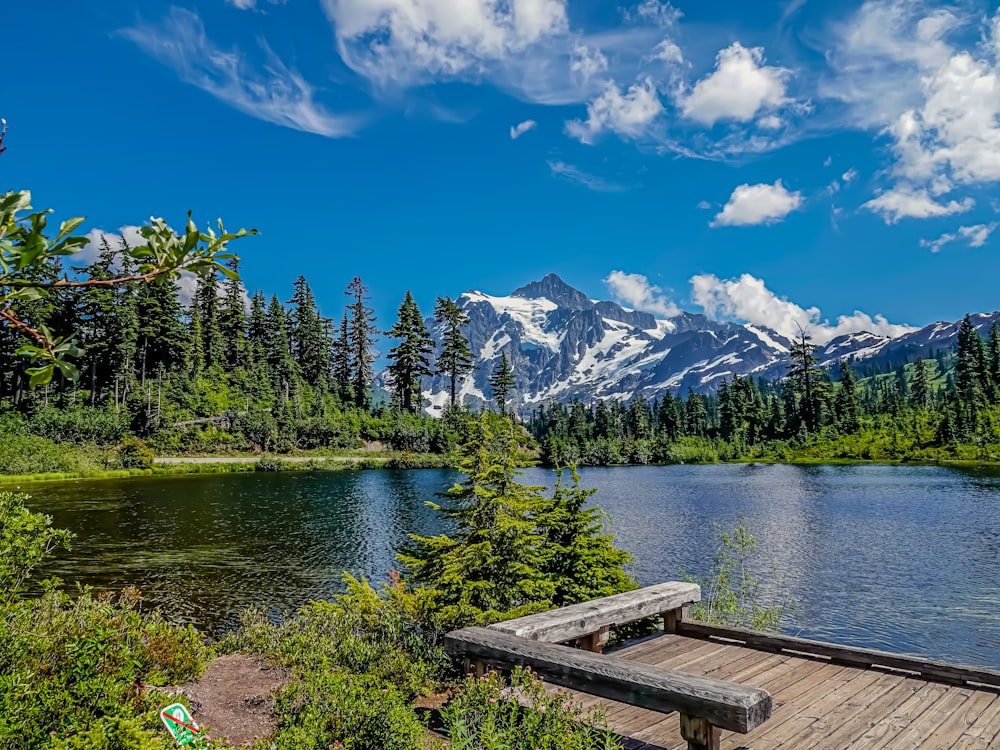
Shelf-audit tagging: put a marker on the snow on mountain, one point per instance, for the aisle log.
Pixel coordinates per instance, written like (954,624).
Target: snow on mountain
(562,345)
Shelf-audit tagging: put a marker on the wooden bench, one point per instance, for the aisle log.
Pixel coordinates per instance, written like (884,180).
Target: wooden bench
(706,706)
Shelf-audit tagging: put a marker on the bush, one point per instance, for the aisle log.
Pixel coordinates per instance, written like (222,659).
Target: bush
(82,424)
(135,454)
(486,715)
(270,463)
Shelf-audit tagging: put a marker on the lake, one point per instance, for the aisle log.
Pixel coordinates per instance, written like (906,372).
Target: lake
(902,558)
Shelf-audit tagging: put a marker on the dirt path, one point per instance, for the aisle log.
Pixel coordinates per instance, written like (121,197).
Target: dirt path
(235,698)
(255,459)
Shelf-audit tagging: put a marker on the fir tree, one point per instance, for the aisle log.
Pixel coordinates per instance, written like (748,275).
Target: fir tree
(502,383)
(280,364)
(846,401)
(456,359)
(920,390)
(970,377)
(804,374)
(342,362)
(233,320)
(408,360)
(695,415)
(307,338)
(206,299)
(361,332)
(491,567)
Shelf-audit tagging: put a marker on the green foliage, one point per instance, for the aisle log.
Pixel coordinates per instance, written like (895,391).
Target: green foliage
(135,454)
(484,715)
(731,595)
(26,539)
(408,360)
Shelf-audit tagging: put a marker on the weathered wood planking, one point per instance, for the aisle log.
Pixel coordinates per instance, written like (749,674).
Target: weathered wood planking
(578,620)
(726,705)
(952,674)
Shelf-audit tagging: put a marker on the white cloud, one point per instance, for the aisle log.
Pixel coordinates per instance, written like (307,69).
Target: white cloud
(747,299)
(905,202)
(704,205)
(849,176)
(627,114)
(93,249)
(899,67)
(410,41)
(516,131)
(585,63)
(274,94)
(757,204)
(770,122)
(667,51)
(828,161)
(740,86)
(590,181)
(243,4)
(635,291)
(975,235)
(653,11)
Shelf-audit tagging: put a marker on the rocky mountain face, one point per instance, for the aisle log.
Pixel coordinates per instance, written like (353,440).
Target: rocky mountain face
(563,345)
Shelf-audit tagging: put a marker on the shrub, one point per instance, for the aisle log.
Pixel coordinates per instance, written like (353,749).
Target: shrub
(270,463)
(487,715)
(135,454)
(81,424)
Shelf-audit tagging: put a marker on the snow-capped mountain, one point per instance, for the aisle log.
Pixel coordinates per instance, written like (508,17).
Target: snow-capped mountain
(563,345)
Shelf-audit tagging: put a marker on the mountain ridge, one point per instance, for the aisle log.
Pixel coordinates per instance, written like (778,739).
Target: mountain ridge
(563,345)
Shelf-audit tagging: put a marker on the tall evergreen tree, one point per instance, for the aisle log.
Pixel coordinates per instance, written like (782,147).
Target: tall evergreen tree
(970,377)
(455,360)
(695,415)
(257,330)
(307,339)
(846,401)
(281,365)
(361,330)
(920,390)
(502,383)
(408,360)
(233,320)
(804,374)
(993,361)
(342,362)
(206,298)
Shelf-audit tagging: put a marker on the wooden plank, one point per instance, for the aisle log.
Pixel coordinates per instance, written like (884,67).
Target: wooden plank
(957,723)
(856,657)
(726,705)
(984,730)
(577,620)
(888,692)
(882,733)
(926,723)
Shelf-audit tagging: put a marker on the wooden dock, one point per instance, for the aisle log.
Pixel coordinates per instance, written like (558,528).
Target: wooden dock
(705,687)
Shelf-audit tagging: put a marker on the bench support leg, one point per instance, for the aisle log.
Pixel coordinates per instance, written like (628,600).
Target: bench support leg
(674,617)
(596,641)
(700,735)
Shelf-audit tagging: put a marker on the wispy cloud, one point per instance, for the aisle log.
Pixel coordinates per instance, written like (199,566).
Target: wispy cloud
(591,182)
(906,203)
(975,235)
(516,131)
(274,93)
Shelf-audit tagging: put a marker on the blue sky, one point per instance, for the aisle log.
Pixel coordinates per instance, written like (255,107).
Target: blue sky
(774,162)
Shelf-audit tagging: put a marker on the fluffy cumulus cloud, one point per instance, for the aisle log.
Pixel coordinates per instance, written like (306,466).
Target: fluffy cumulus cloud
(274,93)
(748,300)
(516,131)
(586,63)
(740,86)
(975,235)
(757,204)
(408,41)
(898,68)
(901,203)
(629,114)
(635,290)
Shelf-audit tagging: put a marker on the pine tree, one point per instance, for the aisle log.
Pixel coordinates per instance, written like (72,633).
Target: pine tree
(233,321)
(456,359)
(280,364)
(491,567)
(580,558)
(695,415)
(206,298)
(502,383)
(257,331)
(408,360)
(361,332)
(342,363)
(920,390)
(804,374)
(969,378)
(307,338)
(846,401)
(162,338)
(993,360)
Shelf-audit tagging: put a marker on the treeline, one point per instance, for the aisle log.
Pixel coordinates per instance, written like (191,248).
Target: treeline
(226,371)
(947,407)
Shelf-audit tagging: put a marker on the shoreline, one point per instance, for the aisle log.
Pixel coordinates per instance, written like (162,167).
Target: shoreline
(188,465)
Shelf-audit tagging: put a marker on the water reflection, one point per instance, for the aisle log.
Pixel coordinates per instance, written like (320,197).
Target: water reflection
(902,558)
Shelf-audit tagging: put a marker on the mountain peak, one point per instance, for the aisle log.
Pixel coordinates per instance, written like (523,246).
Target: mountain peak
(553,288)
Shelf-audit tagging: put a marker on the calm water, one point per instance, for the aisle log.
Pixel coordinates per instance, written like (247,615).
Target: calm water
(901,558)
